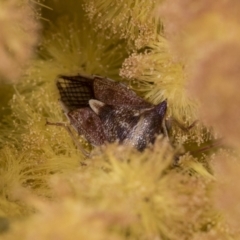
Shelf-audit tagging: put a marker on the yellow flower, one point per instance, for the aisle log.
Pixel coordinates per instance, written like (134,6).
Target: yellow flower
(19,35)
(132,20)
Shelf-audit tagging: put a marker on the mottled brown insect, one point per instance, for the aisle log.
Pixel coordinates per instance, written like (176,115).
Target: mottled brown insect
(103,110)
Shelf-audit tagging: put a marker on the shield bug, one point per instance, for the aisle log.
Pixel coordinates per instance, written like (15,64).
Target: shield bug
(103,110)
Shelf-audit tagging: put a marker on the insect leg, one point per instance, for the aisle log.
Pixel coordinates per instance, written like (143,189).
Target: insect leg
(75,140)
(210,146)
(165,128)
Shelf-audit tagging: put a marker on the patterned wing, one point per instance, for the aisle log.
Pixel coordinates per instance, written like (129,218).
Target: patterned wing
(75,91)
(88,124)
(117,94)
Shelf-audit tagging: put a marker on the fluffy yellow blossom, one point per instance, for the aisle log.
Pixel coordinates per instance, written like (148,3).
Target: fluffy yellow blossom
(210,46)
(17,18)
(216,84)
(158,76)
(122,192)
(134,21)
(207,34)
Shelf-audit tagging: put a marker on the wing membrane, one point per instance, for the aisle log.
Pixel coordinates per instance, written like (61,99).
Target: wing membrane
(116,93)
(75,91)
